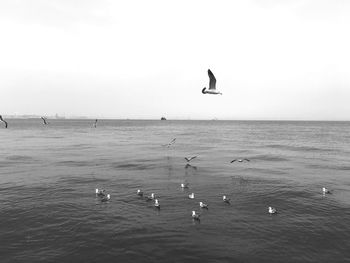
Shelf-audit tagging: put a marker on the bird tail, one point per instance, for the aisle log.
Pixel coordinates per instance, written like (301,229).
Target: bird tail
(203,90)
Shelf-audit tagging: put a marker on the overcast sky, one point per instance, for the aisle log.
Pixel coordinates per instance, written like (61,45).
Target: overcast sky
(149,58)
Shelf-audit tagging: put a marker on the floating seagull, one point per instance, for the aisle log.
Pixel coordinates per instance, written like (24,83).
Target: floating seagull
(240,160)
(195,216)
(156,204)
(100,193)
(325,191)
(95,124)
(139,192)
(1,119)
(272,210)
(184,185)
(212,84)
(190,158)
(202,205)
(45,120)
(191,196)
(149,198)
(225,199)
(170,143)
(106,198)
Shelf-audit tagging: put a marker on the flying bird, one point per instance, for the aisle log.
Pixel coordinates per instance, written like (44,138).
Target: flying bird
(1,119)
(188,159)
(45,120)
(240,160)
(184,185)
(212,85)
(170,143)
(191,196)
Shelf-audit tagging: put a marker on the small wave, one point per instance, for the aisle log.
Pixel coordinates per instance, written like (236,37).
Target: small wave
(270,158)
(299,148)
(75,163)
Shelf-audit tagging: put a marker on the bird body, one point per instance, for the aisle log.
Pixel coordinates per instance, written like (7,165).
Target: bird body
(202,205)
(195,216)
(151,197)
(325,191)
(1,119)
(184,185)
(225,199)
(156,204)
(212,85)
(240,160)
(272,210)
(191,196)
(188,159)
(100,193)
(139,192)
(170,143)
(106,198)
(45,122)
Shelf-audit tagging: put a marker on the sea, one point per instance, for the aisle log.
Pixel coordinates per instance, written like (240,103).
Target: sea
(49,211)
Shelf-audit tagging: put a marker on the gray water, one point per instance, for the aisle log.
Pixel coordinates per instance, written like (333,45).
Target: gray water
(49,211)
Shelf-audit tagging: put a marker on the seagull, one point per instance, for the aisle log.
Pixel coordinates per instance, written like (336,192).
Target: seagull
(184,185)
(202,205)
(1,119)
(106,198)
(212,83)
(95,124)
(156,204)
(100,193)
(139,192)
(149,198)
(195,216)
(272,210)
(225,199)
(170,143)
(191,196)
(240,160)
(44,120)
(190,158)
(325,191)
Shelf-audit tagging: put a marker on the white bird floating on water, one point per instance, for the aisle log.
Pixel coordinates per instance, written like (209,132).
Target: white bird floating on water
(272,210)
(106,198)
(202,205)
(100,193)
(139,192)
(212,85)
(184,185)
(195,216)
(156,204)
(225,199)
(149,198)
(191,196)
(325,191)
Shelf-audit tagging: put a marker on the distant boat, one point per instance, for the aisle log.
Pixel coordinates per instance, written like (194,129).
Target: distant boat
(163,119)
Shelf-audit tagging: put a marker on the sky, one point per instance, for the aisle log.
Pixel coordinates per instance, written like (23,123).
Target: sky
(143,59)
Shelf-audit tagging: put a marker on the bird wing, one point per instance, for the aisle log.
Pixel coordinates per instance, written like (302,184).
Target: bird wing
(233,160)
(247,160)
(212,80)
(193,157)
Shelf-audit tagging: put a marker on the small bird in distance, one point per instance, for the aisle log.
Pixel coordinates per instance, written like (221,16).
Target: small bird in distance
(188,159)
(240,160)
